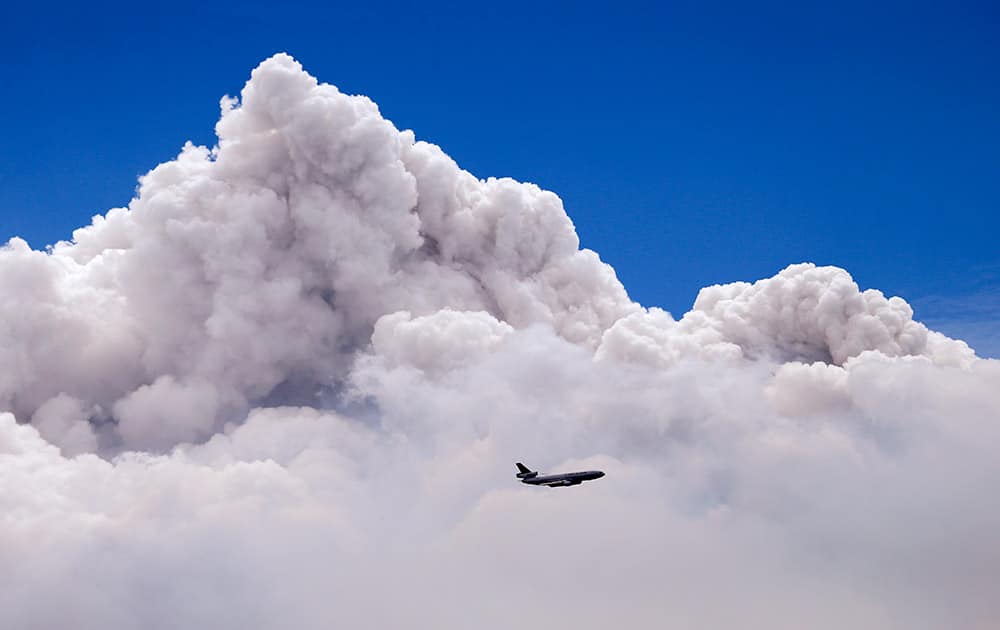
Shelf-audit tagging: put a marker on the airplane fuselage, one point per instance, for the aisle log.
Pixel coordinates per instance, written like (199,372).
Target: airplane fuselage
(563,479)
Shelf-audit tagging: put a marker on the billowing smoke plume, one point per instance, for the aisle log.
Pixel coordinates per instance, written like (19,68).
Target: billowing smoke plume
(286,385)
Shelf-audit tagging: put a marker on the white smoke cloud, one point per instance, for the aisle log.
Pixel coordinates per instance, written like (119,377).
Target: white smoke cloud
(286,385)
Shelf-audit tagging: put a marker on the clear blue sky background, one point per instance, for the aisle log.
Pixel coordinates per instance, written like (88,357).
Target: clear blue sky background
(692,142)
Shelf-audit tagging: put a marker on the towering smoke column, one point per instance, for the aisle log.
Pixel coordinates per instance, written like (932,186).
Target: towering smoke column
(285,386)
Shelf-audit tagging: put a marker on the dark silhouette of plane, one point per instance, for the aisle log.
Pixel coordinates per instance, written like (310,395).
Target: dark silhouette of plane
(532,477)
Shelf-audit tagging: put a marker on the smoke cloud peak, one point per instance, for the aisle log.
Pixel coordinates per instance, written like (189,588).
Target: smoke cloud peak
(286,384)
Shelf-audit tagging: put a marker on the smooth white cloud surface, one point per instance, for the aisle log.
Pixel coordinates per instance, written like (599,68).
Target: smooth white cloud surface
(286,385)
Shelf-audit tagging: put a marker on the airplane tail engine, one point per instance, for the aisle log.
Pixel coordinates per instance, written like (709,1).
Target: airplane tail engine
(523,472)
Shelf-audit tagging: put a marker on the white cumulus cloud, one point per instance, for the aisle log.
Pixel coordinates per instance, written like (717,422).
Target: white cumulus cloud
(285,387)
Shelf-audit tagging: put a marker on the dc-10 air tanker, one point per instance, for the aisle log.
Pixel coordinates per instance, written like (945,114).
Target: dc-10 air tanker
(532,477)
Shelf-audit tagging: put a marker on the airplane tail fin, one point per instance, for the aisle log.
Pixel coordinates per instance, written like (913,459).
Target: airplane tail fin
(523,472)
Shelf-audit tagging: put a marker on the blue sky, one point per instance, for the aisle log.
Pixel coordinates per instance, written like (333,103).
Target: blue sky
(692,143)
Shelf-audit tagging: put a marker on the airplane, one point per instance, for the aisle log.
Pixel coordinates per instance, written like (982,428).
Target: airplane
(532,478)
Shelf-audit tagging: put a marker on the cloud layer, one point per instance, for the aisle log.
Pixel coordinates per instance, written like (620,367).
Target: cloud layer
(286,385)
